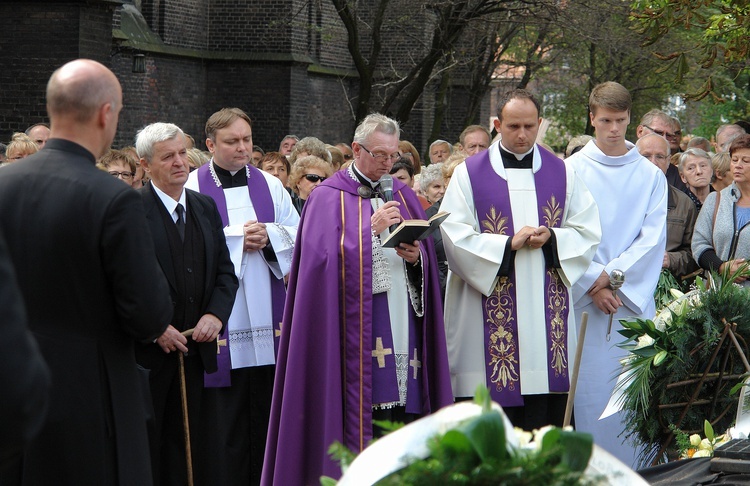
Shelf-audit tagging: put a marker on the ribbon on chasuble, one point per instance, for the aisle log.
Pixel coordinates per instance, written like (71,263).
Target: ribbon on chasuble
(492,203)
(263,205)
(367,340)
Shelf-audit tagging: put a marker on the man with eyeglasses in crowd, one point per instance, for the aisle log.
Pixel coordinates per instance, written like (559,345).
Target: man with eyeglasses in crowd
(260,225)
(658,122)
(681,212)
(362,337)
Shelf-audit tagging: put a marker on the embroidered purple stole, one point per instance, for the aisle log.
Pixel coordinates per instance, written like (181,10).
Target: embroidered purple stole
(263,205)
(367,340)
(492,203)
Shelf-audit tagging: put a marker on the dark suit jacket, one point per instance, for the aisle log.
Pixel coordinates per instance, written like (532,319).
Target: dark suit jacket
(221,283)
(24,377)
(87,270)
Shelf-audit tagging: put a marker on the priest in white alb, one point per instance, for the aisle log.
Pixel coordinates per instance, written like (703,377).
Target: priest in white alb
(260,225)
(522,229)
(631,193)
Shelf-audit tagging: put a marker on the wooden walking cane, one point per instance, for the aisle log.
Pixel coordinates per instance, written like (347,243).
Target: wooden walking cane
(576,367)
(185,422)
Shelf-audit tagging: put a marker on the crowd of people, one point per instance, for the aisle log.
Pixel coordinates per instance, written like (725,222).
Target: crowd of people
(237,313)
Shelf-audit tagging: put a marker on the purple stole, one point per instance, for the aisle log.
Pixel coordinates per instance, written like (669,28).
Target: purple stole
(492,203)
(365,321)
(263,205)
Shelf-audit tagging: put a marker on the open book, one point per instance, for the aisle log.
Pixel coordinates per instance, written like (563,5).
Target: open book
(411,230)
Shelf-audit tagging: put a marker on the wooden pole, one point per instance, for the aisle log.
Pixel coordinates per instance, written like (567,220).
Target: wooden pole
(576,367)
(185,422)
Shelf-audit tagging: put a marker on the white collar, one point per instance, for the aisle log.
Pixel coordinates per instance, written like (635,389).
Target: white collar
(170,203)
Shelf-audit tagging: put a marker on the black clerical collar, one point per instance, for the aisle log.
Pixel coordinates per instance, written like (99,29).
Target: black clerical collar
(510,161)
(228,180)
(363,179)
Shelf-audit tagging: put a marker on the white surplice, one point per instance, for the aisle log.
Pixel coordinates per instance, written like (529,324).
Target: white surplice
(632,196)
(475,257)
(250,325)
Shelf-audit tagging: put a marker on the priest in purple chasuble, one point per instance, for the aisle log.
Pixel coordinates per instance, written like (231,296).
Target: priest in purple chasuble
(522,229)
(363,334)
(631,193)
(260,226)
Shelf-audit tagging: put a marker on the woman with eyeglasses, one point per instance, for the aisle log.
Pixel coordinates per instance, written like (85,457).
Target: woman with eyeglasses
(307,173)
(721,239)
(119,163)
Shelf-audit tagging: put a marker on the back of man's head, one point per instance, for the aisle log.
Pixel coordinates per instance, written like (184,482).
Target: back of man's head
(610,95)
(222,119)
(77,90)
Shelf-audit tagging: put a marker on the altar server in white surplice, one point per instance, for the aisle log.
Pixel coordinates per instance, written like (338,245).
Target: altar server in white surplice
(260,224)
(522,228)
(632,196)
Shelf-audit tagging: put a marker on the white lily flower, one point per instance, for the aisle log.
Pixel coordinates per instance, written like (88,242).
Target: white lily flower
(644,341)
(695,440)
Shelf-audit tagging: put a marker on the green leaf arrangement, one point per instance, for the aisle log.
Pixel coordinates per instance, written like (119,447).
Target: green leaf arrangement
(675,347)
(476,453)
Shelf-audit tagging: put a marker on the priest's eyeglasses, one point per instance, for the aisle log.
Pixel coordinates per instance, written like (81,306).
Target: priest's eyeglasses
(122,175)
(314,178)
(381,157)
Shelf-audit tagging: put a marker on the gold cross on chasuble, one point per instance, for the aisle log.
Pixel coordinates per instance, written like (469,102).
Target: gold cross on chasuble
(415,363)
(380,352)
(219,344)
(277,333)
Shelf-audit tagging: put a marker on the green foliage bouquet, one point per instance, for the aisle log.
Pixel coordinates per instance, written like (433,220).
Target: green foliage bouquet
(674,361)
(465,445)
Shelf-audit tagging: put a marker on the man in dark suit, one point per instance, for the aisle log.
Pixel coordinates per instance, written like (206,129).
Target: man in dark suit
(88,274)
(192,252)
(24,377)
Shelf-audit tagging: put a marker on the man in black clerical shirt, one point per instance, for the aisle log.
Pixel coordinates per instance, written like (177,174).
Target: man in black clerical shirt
(192,252)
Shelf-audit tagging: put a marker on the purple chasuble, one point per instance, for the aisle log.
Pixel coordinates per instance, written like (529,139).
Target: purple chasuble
(327,376)
(260,195)
(492,204)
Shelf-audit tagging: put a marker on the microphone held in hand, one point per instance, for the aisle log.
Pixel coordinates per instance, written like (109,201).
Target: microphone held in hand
(386,189)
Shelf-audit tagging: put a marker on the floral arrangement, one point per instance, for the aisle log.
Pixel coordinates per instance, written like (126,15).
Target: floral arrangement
(476,452)
(668,356)
(694,445)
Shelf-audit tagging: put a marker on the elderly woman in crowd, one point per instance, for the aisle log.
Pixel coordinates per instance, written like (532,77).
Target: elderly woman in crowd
(20,146)
(307,173)
(119,163)
(721,240)
(277,165)
(431,182)
(696,172)
(722,177)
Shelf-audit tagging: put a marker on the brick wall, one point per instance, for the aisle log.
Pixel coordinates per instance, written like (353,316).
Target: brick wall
(41,37)
(280,88)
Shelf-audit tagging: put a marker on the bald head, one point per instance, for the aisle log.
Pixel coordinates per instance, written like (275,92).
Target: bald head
(655,148)
(84,100)
(78,89)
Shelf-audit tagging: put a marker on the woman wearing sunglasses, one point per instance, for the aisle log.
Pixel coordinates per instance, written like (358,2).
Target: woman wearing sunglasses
(307,173)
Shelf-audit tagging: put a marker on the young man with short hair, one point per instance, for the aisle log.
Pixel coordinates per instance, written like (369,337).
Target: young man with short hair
(631,193)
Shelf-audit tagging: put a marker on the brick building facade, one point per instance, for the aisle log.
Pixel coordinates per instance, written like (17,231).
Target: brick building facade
(285,62)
